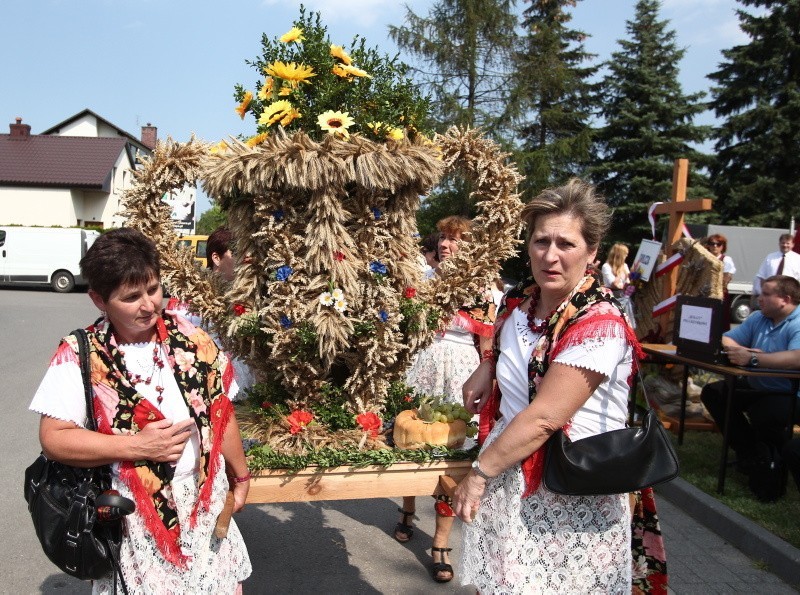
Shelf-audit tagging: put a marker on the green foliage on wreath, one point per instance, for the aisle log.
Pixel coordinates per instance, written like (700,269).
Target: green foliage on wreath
(308,77)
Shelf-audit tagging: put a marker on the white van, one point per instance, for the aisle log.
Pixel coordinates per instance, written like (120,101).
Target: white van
(36,255)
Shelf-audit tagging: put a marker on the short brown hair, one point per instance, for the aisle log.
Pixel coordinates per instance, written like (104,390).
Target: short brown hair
(786,286)
(577,198)
(120,257)
(219,242)
(455,225)
(719,239)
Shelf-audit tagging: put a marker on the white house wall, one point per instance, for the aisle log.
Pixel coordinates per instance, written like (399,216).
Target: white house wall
(84,126)
(35,206)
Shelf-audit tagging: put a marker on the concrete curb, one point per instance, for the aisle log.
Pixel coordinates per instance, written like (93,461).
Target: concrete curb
(782,558)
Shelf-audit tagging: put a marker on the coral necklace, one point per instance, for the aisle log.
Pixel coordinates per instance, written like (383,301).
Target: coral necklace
(158,364)
(538,328)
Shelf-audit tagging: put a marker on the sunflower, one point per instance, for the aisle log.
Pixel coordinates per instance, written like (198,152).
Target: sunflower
(266,89)
(290,115)
(274,112)
(347,71)
(242,108)
(290,71)
(335,123)
(220,147)
(337,51)
(293,34)
(256,140)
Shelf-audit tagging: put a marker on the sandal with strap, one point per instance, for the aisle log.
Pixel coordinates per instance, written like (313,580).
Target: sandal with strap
(403,531)
(442,567)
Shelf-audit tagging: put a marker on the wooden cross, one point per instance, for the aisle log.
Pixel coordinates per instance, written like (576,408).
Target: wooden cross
(676,209)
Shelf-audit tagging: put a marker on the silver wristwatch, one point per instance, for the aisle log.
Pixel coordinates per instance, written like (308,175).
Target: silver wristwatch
(754,361)
(478,471)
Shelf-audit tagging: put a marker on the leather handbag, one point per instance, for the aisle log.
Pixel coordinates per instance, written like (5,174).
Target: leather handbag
(77,517)
(613,462)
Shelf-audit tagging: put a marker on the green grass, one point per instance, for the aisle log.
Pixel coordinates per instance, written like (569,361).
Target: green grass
(699,460)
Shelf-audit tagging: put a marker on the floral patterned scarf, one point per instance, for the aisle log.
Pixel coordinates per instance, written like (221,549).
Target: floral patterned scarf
(203,376)
(589,311)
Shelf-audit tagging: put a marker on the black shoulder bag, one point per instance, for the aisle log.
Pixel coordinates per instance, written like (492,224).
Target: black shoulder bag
(613,462)
(77,517)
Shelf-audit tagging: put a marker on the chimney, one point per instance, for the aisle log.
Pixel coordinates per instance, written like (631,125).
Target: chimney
(149,136)
(20,130)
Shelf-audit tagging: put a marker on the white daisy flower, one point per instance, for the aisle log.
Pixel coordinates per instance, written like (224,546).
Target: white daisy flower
(340,306)
(326,299)
(337,294)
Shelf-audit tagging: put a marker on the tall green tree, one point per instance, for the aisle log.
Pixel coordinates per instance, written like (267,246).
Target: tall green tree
(555,96)
(649,122)
(758,98)
(462,54)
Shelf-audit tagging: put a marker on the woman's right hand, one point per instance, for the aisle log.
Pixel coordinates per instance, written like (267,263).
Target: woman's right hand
(478,387)
(163,441)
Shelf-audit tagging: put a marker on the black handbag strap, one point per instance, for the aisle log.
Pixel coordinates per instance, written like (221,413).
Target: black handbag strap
(91,424)
(86,373)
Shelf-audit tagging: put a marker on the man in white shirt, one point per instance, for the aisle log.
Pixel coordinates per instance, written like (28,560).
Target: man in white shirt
(782,262)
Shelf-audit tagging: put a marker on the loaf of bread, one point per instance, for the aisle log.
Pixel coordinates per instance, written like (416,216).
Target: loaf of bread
(411,432)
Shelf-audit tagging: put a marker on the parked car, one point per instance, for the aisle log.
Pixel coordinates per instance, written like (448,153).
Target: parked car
(197,244)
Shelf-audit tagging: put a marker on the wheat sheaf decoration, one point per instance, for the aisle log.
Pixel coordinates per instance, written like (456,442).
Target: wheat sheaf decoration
(329,286)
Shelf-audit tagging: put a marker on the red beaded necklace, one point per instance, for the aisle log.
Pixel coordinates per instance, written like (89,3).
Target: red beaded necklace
(537,329)
(158,364)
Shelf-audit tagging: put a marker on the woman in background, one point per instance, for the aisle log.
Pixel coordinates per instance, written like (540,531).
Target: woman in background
(717,244)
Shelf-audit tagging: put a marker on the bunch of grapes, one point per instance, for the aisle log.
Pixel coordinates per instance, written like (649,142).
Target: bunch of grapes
(437,411)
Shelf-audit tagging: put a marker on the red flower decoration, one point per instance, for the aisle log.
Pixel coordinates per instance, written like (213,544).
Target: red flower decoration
(410,292)
(443,508)
(369,422)
(298,420)
(408,398)
(239,309)
(144,412)
(339,255)
(266,405)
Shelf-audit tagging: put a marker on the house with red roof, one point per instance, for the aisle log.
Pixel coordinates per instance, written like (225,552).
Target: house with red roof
(72,174)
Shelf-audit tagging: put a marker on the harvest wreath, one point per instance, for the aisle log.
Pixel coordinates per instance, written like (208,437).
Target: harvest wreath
(328,305)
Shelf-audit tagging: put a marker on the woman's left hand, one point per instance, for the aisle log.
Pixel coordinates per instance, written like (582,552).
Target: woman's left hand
(467,497)
(240,490)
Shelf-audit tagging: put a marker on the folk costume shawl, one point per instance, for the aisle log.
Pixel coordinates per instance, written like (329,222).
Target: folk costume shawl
(204,377)
(590,311)
(477,317)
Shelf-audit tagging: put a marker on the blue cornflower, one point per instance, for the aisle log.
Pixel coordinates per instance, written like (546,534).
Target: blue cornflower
(278,215)
(376,266)
(286,322)
(376,212)
(283,272)
(383,316)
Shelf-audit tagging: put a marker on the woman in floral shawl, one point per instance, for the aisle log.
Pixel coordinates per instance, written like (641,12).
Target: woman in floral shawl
(564,356)
(165,422)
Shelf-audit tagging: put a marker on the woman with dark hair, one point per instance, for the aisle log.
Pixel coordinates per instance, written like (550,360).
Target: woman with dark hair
(162,394)
(564,356)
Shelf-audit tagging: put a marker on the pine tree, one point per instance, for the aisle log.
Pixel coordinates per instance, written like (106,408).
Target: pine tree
(555,94)
(648,124)
(463,50)
(758,143)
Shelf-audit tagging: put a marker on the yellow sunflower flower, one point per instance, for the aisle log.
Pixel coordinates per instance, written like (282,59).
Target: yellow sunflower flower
(290,71)
(335,123)
(293,34)
(242,108)
(220,147)
(256,140)
(337,51)
(266,89)
(395,133)
(290,115)
(274,112)
(347,71)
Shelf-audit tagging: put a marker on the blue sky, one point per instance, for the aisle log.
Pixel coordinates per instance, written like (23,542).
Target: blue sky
(174,63)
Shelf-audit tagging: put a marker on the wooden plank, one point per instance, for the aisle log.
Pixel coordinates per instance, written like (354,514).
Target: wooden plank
(347,483)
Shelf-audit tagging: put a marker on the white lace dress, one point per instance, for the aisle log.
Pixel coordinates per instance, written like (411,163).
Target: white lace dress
(443,366)
(549,543)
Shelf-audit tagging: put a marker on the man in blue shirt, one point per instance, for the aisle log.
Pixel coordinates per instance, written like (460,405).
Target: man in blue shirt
(769,338)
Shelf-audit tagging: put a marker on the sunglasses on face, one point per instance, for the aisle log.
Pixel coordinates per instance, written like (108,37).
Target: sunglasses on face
(715,244)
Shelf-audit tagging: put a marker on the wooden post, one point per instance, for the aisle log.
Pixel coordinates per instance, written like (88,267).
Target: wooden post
(676,209)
